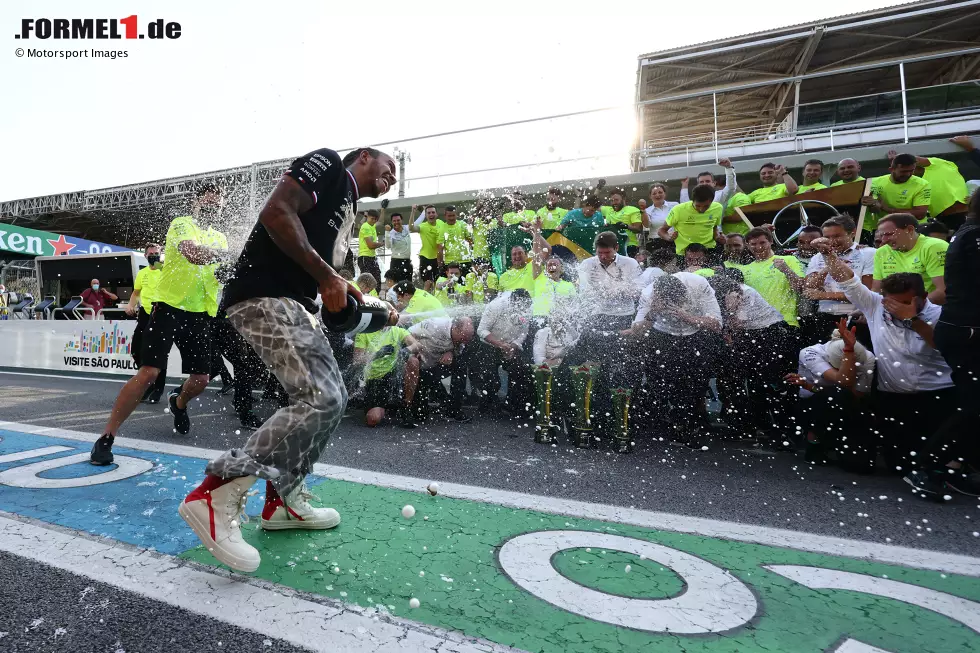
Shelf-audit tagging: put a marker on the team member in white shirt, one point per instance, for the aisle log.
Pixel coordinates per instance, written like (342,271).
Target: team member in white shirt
(760,352)
(915,390)
(722,194)
(398,241)
(679,323)
(655,215)
(439,341)
(819,285)
(835,379)
(503,333)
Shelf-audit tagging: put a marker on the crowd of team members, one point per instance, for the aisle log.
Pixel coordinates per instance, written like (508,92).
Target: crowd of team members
(856,353)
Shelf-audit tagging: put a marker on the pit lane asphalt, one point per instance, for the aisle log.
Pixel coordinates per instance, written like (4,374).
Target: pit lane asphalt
(726,483)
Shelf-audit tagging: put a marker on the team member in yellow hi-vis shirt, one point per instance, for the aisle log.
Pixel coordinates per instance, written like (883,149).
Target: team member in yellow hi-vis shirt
(812,171)
(849,171)
(141,305)
(450,289)
(367,243)
(946,185)
(903,249)
(519,214)
(180,316)
(378,353)
(428,227)
(481,222)
(518,275)
(779,279)
(733,223)
(697,221)
(454,242)
(549,286)
(897,192)
(416,305)
(551,214)
(618,214)
(776,183)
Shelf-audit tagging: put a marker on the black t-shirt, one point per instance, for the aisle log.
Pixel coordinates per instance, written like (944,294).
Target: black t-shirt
(264,270)
(962,276)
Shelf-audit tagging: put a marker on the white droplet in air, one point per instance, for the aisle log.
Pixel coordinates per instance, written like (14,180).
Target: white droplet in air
(413,603)
(336,570)
(238,432)
(704,448)
(433,488)
(421,574)
(628,569)
(408,512)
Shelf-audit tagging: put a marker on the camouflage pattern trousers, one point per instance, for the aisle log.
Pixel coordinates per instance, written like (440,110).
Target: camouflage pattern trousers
(289,340)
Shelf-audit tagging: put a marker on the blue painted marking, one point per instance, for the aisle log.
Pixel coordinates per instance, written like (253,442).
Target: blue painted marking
(141,510)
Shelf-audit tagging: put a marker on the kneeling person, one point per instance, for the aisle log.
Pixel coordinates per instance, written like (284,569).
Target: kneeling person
(379,353)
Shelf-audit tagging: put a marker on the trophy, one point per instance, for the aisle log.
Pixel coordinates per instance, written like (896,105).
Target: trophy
(582,380)
(621,408)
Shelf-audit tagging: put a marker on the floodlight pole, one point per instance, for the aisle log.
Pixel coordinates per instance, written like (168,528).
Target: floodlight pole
(714,102)
(401,156)
(905,106)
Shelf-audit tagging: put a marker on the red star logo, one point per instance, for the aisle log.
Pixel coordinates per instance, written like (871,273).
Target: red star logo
(61,246)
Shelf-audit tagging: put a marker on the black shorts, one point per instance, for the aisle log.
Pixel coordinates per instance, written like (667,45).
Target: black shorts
(191,333)
(428,268)
(379,393)
(402,267)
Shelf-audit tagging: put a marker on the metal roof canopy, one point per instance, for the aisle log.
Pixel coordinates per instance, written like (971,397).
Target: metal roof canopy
(754,76)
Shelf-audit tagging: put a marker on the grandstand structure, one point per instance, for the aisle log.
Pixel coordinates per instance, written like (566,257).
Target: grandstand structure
(905,77)
(892,76)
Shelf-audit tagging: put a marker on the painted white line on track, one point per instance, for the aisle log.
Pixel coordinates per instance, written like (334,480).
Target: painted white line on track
(751,533)
(280,614)
(68,378)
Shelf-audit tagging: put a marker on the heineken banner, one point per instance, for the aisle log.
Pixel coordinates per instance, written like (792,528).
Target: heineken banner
(32,242)
(571,242)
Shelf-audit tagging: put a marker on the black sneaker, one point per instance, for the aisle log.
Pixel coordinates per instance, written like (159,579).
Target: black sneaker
(460,418)
(250,420)
(968,484)
(102,451)
(181,421)
(932,485)
(153,396)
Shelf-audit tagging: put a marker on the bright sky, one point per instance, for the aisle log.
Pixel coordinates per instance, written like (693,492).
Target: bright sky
(252,81)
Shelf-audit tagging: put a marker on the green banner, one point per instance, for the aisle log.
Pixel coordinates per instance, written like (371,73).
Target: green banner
(577,240)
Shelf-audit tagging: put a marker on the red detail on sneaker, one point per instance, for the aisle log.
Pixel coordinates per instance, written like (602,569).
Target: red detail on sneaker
(203,493)
(271,504)
(274,503)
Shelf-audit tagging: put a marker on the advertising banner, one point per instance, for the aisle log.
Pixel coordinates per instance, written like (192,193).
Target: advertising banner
(75,346)
(21,240)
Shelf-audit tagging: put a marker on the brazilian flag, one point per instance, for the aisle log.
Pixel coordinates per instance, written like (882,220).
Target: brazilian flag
(571,244)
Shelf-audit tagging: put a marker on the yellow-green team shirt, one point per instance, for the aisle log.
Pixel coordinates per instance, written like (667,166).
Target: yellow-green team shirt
(773,284)
(481,244)
(736,200)
(809,187)
(768,193)
(512,279)
(146,283)
(475,285)
(527,215)
(425,302)
(429,235)
(841,182)
(927,258)
(215,240)
(182,284)
(382,363)
(628,215)
(546,290)
(694,227)
(914,192)
(946,183)
(550,218)
(454,239)
(366,231)
(704,272)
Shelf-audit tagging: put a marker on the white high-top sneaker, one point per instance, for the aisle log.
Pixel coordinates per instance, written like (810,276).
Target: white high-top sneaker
(296,512)
(215,511)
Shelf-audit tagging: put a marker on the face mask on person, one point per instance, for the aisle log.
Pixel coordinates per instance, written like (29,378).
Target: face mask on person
(153,259)
(95,286)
